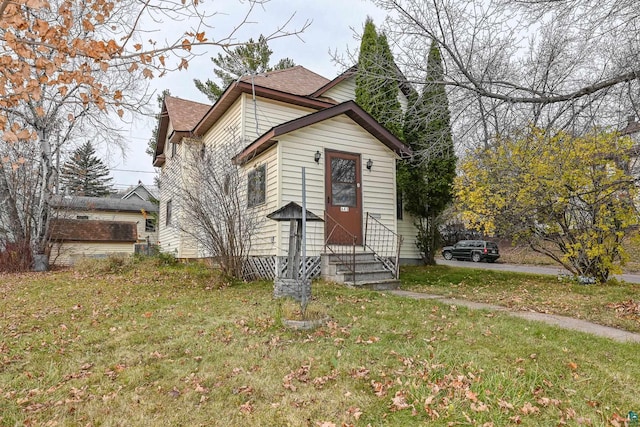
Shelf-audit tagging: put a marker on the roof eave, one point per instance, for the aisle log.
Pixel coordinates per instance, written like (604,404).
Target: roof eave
(341,77)
(159,160)
(163,126)
(349,108)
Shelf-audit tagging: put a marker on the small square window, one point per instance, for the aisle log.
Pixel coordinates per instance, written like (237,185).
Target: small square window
(150,225)
(257,186)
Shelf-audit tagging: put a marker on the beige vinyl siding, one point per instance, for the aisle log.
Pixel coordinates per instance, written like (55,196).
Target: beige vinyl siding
(346,91)
(170,238)
(69,252)
(167,144)
(228,129)
(339,134)
(343,91)
(171,180)
(408,231)
(264,242)
(269,113)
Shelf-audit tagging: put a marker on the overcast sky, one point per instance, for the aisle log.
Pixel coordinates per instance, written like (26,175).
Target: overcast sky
(332,29)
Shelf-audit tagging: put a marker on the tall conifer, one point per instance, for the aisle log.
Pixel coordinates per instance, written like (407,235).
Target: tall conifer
(426,180)
(84,174)
(377,80)
(252,57)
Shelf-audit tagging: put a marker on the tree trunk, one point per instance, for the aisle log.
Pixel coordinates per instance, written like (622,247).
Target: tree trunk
(427,239)
(43,217)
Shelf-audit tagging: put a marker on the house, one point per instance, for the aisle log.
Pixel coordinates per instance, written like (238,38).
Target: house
(284,121)
(139,192)
(99,226)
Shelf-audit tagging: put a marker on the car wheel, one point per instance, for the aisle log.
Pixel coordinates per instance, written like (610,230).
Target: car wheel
(475,257)
(447,255)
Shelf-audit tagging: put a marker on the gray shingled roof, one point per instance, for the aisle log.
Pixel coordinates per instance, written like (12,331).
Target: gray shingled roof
(103,204)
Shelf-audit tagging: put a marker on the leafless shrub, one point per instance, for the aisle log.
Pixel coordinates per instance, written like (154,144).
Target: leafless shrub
(213,204)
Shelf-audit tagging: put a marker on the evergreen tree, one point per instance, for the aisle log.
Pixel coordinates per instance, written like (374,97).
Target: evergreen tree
(376,81)
(252,57)
(84,174)
(426,180)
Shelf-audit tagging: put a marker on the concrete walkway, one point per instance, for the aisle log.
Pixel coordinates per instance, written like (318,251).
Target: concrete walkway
(525,268)
(551,319)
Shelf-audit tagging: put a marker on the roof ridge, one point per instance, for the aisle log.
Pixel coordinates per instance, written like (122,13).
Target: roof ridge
(267,73)
(187,100)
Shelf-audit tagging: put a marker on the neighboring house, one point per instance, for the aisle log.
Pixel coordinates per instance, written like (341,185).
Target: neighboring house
(141,192)
(286,120)
(98,227)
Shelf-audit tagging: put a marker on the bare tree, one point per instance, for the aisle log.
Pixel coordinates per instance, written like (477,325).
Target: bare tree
(212,203)
(66,65)
(560,64)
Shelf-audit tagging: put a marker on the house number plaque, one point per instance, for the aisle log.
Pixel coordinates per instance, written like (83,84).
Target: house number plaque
(344,208)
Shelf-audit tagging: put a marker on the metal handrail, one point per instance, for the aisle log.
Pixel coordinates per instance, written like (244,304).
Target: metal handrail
(384,243)
(346,256)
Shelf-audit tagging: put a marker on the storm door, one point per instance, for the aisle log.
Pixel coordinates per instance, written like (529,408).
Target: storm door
(343,197)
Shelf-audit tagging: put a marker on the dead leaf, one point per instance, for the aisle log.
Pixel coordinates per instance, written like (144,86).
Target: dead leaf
(503,404)
(246,408)
(355,412)
(479,407)
(471,396)
(399,402)
(529,409)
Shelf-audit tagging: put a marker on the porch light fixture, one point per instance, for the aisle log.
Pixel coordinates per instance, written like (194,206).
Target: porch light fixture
(316,157)
(369,164)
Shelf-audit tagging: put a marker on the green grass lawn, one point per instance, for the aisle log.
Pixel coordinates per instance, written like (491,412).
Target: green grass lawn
(159,345)
(612,304)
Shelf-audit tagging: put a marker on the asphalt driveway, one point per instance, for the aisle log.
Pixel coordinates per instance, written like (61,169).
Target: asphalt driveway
(522,268)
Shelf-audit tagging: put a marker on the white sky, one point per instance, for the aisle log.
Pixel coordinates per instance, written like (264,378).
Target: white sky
(332,29)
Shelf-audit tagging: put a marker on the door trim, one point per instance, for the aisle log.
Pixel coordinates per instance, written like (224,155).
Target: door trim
(356,227)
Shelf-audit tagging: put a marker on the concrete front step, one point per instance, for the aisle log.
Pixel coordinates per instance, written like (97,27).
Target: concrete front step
(366,276)
(370,272)
(361,266)
(347,257)
(377,285)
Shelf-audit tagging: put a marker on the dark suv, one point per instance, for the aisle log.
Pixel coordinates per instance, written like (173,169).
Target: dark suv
(475,250)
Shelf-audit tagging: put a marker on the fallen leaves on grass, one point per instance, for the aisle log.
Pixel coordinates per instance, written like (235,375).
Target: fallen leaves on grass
(627,309)
(369,340)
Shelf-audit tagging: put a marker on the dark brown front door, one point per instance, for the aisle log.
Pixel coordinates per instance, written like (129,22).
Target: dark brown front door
(344,197)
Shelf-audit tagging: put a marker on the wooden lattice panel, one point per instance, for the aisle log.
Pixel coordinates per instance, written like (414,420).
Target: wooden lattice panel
(270,267)
(257,268)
